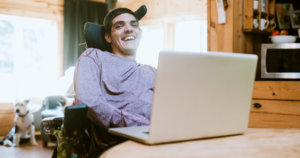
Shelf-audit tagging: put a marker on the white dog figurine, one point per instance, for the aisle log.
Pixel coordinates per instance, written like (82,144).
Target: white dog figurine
(24,125)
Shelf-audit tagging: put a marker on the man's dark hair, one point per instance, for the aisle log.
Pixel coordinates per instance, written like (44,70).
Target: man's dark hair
(111,15)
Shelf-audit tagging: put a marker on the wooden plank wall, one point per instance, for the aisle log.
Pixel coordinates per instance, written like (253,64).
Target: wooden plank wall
(226,37)
(46,9)
(165,10)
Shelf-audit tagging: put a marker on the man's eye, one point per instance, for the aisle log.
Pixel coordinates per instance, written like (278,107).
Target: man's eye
(135,24)
(118,26)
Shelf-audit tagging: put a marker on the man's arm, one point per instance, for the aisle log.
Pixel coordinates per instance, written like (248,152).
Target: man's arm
(88,92)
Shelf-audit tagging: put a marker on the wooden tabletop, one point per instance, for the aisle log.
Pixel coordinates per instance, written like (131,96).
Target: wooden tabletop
(254,143)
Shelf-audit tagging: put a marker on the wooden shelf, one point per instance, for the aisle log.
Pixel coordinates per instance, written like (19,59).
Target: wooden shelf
(256,31)
(250,14)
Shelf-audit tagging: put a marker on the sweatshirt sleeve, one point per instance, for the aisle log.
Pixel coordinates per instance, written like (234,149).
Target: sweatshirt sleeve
(87,88)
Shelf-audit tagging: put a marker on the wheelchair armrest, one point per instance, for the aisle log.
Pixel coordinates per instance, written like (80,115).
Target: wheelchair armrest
(75,120)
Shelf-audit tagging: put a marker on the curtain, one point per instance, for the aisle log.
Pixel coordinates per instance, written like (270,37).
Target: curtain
(76,14)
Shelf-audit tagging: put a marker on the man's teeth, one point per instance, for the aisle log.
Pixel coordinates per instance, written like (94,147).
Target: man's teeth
(129,38)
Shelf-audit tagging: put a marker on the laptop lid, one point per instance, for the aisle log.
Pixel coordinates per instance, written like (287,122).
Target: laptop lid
(201,95)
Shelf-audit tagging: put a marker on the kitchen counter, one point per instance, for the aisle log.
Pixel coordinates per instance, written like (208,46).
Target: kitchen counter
(254,143)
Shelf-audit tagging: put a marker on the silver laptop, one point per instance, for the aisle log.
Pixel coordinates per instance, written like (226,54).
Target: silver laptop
(197,95)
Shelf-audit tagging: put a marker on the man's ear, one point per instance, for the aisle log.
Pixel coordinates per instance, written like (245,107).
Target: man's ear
(107,38)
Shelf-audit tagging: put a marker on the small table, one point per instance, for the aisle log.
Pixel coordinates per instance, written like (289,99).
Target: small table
(254,143)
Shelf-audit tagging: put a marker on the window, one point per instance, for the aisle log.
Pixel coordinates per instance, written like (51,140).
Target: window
(150,45)
(188,35)
(191,36)
(29,63)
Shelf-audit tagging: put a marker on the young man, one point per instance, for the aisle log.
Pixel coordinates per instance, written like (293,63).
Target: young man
(117,90)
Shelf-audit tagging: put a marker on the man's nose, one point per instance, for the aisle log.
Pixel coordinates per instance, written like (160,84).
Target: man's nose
(128,29)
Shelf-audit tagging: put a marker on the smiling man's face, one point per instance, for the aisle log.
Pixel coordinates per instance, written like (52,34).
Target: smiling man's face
(125,35)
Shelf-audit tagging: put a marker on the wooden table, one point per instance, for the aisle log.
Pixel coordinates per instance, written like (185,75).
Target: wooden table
(255,142)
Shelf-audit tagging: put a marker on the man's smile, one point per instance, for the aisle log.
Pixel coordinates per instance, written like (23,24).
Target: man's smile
(127,38)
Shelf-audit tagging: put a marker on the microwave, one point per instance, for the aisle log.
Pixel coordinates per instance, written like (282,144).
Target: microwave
(280,61)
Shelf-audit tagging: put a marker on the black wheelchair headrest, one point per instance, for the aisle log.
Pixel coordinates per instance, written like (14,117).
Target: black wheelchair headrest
(94,33)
